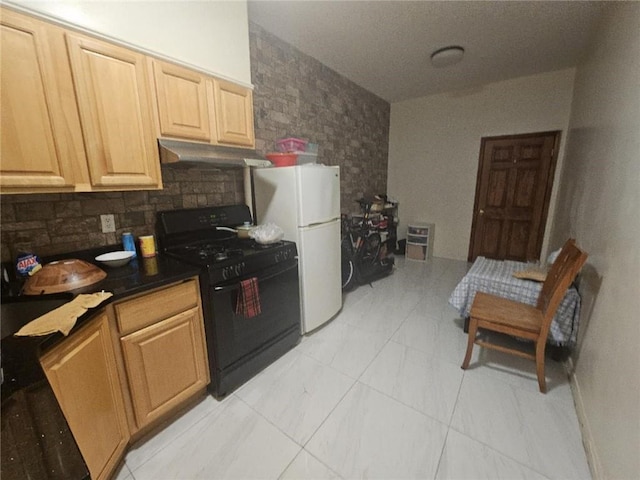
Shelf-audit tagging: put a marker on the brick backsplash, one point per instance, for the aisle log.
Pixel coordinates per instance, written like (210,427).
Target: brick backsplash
(50,224)
(294,95)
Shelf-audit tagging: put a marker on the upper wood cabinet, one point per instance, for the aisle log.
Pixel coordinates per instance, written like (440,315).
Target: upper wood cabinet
(76,112)
(194,106)
(182,103)
(233,106)
(83,114)
(41,139)
(83,375)
(116,113)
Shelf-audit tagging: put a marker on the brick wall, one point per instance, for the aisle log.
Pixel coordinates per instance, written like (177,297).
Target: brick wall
(295,95)
(49,224)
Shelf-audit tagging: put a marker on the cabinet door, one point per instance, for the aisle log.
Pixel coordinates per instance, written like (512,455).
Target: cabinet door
(233,106)
(82,373)
(166,364)
(36,147)
(182,102)
(115,110)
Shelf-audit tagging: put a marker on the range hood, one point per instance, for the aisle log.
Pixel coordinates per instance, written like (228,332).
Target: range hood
(175,151)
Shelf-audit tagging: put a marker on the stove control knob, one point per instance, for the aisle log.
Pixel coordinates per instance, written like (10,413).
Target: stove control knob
(239,269)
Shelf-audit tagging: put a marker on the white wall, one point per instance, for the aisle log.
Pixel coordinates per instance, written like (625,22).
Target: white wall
(212,36)
(599,204)
(434,144)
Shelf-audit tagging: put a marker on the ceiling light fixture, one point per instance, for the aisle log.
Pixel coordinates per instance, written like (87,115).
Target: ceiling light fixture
(446,56)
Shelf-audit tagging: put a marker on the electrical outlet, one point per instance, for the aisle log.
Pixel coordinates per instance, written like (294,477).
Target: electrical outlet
(108,223)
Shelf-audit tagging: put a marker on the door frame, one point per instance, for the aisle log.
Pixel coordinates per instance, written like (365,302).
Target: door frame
(548,188)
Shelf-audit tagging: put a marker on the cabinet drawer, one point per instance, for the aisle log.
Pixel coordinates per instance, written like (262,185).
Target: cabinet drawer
(418,239)
(418,230)
(150,308)
(416,252)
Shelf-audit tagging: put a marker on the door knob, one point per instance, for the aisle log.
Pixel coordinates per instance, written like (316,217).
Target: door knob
(481,212)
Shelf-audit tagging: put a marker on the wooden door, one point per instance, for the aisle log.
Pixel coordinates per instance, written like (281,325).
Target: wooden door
(114,101)
(233,111)
(82,373)
(515,177)
(182,102)
(38,148)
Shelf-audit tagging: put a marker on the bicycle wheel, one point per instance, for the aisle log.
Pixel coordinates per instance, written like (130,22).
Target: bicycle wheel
(348,275)
(367,262)
(371,248)
(347,265)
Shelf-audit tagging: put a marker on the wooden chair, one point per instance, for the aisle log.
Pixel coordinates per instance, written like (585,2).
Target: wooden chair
(522,320)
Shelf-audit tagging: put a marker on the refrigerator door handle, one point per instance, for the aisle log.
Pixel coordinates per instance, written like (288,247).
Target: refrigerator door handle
(315,224)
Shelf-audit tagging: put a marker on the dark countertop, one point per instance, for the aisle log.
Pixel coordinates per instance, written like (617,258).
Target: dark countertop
(138,276)
(42,443)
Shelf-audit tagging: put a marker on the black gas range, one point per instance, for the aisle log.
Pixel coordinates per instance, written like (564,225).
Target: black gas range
(250,294)
(226,259)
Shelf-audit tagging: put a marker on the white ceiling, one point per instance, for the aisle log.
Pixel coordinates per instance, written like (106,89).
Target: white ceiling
(385,46)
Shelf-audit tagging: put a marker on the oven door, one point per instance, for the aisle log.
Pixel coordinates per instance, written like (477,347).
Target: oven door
(237,337)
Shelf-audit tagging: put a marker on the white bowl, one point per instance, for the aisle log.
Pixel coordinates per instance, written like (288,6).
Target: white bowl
(115,259)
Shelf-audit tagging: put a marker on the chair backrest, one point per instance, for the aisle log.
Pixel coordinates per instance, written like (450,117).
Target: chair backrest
(560,276)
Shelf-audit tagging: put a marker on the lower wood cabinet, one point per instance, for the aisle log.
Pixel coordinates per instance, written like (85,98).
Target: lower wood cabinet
(164,356)
(83,375)
(135,364)
(166,364)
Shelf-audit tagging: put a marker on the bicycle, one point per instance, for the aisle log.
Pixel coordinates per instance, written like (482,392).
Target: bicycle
(364,255)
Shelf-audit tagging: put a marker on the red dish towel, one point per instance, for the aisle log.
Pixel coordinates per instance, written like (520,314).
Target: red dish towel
(248,303)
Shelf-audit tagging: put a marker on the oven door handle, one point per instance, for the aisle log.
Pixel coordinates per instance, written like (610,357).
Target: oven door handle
(236,284)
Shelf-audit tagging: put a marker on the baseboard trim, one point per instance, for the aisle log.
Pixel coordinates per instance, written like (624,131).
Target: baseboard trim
(587,438)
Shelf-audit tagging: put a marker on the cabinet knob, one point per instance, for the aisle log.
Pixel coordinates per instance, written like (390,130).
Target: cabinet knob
(481,212)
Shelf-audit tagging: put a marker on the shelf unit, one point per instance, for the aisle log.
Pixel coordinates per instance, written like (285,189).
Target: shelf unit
(420,241)
(385,218)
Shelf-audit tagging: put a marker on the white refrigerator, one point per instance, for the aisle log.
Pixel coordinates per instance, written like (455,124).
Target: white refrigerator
(304,201)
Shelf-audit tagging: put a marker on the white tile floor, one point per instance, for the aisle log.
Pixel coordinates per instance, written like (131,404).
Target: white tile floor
(379,393)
